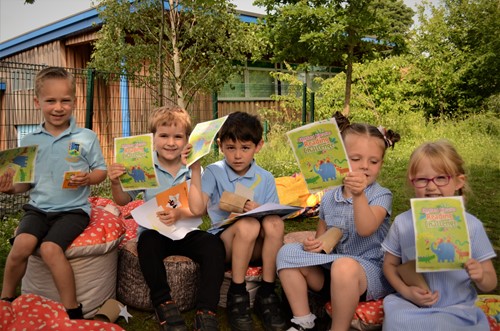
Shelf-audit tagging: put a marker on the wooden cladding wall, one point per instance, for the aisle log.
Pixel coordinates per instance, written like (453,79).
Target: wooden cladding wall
(17,107)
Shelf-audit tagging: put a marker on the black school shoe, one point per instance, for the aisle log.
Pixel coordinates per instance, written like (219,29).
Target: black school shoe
(268,310)
(238,312)
(75,313)
(206,320)
(169,317)
(296,327)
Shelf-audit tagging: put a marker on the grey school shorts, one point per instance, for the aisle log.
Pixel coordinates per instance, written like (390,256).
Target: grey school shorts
(60,228)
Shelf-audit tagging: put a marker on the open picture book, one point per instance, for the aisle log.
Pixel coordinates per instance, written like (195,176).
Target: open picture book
(174,197)
(266,209)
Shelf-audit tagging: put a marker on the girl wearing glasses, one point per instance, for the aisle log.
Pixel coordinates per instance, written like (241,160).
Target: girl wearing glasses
(437,170)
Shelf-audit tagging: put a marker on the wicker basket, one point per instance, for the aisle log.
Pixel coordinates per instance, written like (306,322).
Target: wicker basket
(182,274)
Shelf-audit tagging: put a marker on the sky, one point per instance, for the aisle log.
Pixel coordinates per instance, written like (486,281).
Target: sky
(16,18)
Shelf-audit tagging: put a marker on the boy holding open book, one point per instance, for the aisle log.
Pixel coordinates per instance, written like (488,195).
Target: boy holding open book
(248,239)
(171,127)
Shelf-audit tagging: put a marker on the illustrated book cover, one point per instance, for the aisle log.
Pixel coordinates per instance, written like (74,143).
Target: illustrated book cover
(22,161)
(174,197)
(320,154)
(266,209)
(136,154)
(441,233)
(202,138)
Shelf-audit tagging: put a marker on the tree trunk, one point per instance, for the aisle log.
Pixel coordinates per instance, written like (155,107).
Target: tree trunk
(179,93)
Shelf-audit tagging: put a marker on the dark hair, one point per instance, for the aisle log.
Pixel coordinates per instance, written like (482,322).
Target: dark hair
(388,137)
(241,126)
(53,73)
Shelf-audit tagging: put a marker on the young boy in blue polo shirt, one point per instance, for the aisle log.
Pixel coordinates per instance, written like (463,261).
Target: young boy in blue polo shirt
(54,216)
(171,127)
(249,239)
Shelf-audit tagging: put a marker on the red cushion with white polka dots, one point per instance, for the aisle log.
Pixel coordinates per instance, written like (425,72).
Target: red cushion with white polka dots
(124,214)
(368,312)
(254,274)
(104,232)
(33,312)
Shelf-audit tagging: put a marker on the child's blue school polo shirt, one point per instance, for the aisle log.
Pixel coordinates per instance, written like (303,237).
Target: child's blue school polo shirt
(165,181)
(73,150)
(219,177)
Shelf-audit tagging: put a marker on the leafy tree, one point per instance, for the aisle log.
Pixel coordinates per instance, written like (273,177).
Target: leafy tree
(189,45)
(333,32)
(457,50)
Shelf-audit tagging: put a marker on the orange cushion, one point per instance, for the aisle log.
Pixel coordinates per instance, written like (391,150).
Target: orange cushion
(30,310)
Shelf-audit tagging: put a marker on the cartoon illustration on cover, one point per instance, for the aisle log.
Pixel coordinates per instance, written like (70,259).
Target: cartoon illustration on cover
(441,233)
(136,154)
(21,160)
(320,153)
(202,138)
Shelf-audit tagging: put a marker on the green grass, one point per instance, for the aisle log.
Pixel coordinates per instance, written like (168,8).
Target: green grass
(476,138)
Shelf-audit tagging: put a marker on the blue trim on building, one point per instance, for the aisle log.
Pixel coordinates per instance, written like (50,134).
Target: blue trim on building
(63,28)
(124,98)
(58,30)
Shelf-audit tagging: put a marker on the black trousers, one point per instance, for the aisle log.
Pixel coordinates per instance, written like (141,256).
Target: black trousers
(200,246)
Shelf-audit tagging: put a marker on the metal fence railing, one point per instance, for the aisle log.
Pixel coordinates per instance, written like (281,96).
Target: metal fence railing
(104,105)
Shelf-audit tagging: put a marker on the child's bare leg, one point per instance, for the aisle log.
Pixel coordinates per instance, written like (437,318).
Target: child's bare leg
(62,273)
(17,261)
(239,241)
(274,229)
(295,282)
(347,285)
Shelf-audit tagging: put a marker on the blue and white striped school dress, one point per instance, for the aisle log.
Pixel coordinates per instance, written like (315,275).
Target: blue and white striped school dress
(455,309)
(338,211)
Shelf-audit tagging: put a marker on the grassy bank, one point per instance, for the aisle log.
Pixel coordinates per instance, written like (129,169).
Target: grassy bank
(477,140)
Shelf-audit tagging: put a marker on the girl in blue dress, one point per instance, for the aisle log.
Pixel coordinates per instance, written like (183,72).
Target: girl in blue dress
(436,170)
(361,208)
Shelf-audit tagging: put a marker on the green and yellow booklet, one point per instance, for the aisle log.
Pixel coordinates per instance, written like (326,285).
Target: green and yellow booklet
(22,161)
(202,138)
(320,153)
(136,154)
(441,233)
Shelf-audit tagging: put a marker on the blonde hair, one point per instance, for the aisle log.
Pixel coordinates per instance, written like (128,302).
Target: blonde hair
(170,115)
(53,73)
(444,158)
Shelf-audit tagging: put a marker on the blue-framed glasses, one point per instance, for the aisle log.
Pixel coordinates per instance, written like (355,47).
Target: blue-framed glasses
(438,180)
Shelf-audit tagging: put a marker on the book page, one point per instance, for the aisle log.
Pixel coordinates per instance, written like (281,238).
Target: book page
(21,160)
(136,154)
(320,154)
(441,233)
(174,197)
(266,209)
(202,138)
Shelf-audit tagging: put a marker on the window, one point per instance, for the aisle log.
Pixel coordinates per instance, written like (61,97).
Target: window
(23,80)
(256,83)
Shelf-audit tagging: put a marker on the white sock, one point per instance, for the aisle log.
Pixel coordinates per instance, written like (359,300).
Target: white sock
(306,321)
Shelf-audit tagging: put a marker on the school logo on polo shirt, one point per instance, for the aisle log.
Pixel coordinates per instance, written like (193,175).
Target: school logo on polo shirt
(73,152)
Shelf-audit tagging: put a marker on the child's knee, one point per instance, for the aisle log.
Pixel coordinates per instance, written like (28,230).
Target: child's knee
(50,250)
(248,228)
(345,268)
(273,226)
